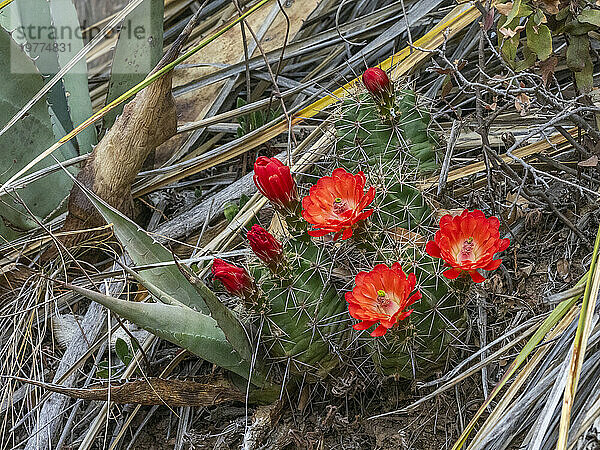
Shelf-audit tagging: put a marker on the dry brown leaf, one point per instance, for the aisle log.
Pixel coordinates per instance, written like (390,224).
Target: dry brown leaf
(406,237)
(592,161)
(453,212)
(563,268)
(154,391)
(547,68)
(147,121)
(522,103)
(508,33)
(504,8)
(550,6)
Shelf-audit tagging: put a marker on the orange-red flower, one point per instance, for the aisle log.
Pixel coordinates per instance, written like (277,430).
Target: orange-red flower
(468,242)
(336,203)
(235,279)
(274,180)
(382,295)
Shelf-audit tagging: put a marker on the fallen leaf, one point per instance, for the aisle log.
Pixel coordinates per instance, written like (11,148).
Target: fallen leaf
(504,8)
(443,212)
(550,6)
(592,161)
(509,33)
(547,68)
(522,103)
(562,268)
(406,237)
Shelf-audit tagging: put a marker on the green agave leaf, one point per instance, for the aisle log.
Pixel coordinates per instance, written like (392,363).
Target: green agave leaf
(69,42)
(181,326)
(144,250)
(34,25)
(138,49)
(21,81)
(234,331)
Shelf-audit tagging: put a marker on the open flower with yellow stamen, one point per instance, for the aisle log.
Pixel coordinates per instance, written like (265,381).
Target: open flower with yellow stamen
(382,295)
(336,203)
(468,242)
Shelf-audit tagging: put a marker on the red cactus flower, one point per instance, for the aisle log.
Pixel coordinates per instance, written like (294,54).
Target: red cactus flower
(274,180)
(235,279)
(336,203)
(377,82)
(382,295)
(265,246)
(466,243)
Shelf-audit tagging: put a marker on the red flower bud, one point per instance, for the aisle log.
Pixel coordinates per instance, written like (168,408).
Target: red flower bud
(274,180)
(377,82)
(265,246)
(235,279)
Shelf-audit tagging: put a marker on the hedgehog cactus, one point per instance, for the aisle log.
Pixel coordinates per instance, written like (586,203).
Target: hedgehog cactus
(390,140)
(383,138)
(366,217)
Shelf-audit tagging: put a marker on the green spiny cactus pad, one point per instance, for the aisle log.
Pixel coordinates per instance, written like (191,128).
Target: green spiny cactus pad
(394,154)
(305,317)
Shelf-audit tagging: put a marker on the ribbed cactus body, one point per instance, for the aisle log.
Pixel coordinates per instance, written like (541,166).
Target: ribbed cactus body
(305,317)
(394,154)
(366,140)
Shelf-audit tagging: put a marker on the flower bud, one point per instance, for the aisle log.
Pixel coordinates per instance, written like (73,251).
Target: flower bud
(377,82)
(265,246)
(274,180)
(235,279)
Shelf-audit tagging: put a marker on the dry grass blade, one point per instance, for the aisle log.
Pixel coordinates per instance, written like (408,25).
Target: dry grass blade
(579,346)
(5,3)
(557,315)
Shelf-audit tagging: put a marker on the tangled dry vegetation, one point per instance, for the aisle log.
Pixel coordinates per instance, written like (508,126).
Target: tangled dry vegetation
(509,88)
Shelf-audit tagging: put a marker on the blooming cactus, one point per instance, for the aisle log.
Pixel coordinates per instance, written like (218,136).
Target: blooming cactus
(274,180)
(468,242)
(382,295)
(336,203)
